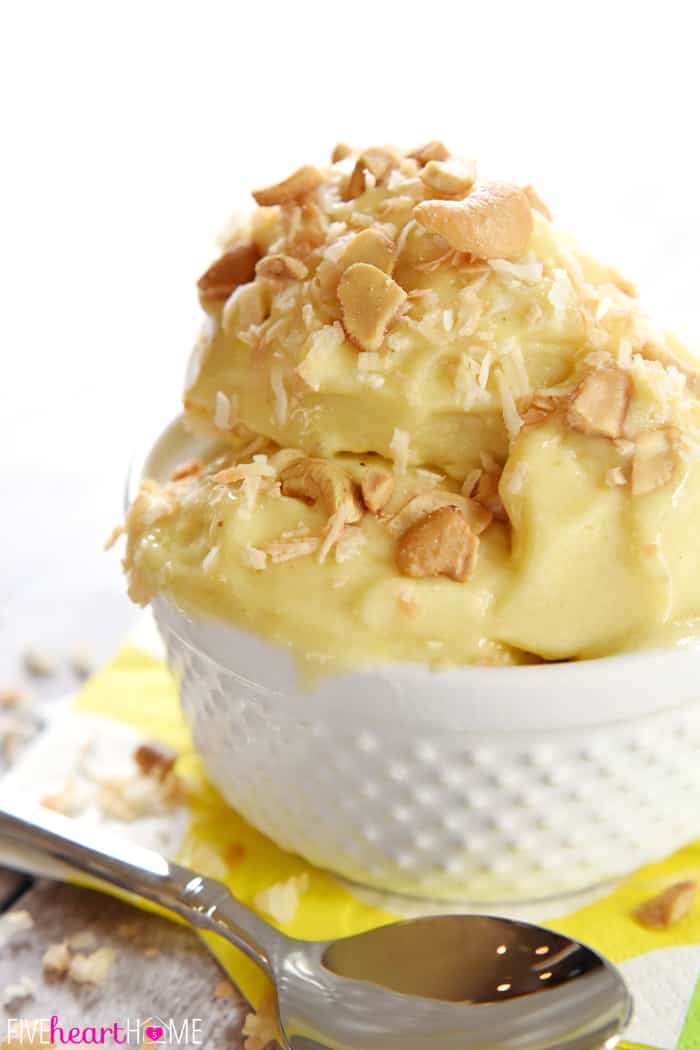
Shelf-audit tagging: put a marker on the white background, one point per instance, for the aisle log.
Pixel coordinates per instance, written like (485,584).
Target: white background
(130,130)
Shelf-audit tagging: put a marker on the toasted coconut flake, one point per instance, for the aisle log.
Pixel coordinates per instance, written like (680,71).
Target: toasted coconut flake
(400,444)
(440,544)
(323,344)
(280,394)
(430,151)
(369,301)
(536,202)
(222,411)
(235,267)
(369,246)
(281,900)
(335,527)
(313,479)
(376,487)
(448,180)
(669,907)
(117,532)
(295,187)
(488,496)
(280,267)
(615,477)
(186,469)
(254,557)
(528,272)
(286,550)
(599,404)
(477,516)
(493,222)
(511,416)
(247,306)
(654,460)
(349,543)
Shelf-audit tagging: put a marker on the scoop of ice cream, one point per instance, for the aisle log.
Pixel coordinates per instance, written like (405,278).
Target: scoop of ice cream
(444,433)
(390,295)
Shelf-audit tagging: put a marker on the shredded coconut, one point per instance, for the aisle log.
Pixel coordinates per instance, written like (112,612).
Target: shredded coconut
(209,559)
(399,446)
(349,543)
(615,476)
(222,411)
(287,549)
(560,294)
(371,379)
(278,389)
(334,528)
(528,272)
(511,417)
(516,478)
(471,480)
(253,556)
(322,344)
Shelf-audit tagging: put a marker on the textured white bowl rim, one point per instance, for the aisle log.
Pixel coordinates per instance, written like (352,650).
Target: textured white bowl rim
(556,696)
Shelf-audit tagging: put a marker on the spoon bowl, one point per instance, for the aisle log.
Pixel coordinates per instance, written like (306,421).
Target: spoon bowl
(446,982)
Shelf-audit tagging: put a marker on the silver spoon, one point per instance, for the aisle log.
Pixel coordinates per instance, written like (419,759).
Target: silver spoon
(442,983)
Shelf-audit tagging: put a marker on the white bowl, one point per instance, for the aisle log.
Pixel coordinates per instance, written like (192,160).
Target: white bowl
(478,783)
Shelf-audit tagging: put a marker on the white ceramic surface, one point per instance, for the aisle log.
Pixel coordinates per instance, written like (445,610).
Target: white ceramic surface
(483,784)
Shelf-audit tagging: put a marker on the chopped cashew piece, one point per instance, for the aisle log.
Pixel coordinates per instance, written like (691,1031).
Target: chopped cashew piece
(281,268)
(440,544)
(493,222)
(430,151)
(155,760)
(369,301)
(233,268)
(340,152)
(317,479)
(536,202)
(669,907)
(376,488)
(599,404)
(56,959)
(369,246)
(654,460)
(378,162)
(448,180)
(300,183)
(477,517)
(488,496)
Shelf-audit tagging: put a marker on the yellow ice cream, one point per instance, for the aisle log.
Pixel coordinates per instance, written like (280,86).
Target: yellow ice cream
(442,433)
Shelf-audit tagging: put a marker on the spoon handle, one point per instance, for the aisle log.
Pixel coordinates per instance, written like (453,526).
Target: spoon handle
(37,832)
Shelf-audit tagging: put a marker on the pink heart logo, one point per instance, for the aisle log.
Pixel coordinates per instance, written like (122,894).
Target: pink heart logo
(154,1033)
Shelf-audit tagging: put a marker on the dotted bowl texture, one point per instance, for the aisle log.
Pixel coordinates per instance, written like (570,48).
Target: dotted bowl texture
(398,793)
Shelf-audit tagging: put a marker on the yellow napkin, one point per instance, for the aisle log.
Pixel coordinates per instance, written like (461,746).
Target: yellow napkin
(137,690)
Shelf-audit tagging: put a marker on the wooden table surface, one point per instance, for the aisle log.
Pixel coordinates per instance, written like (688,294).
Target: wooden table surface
(59,591)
